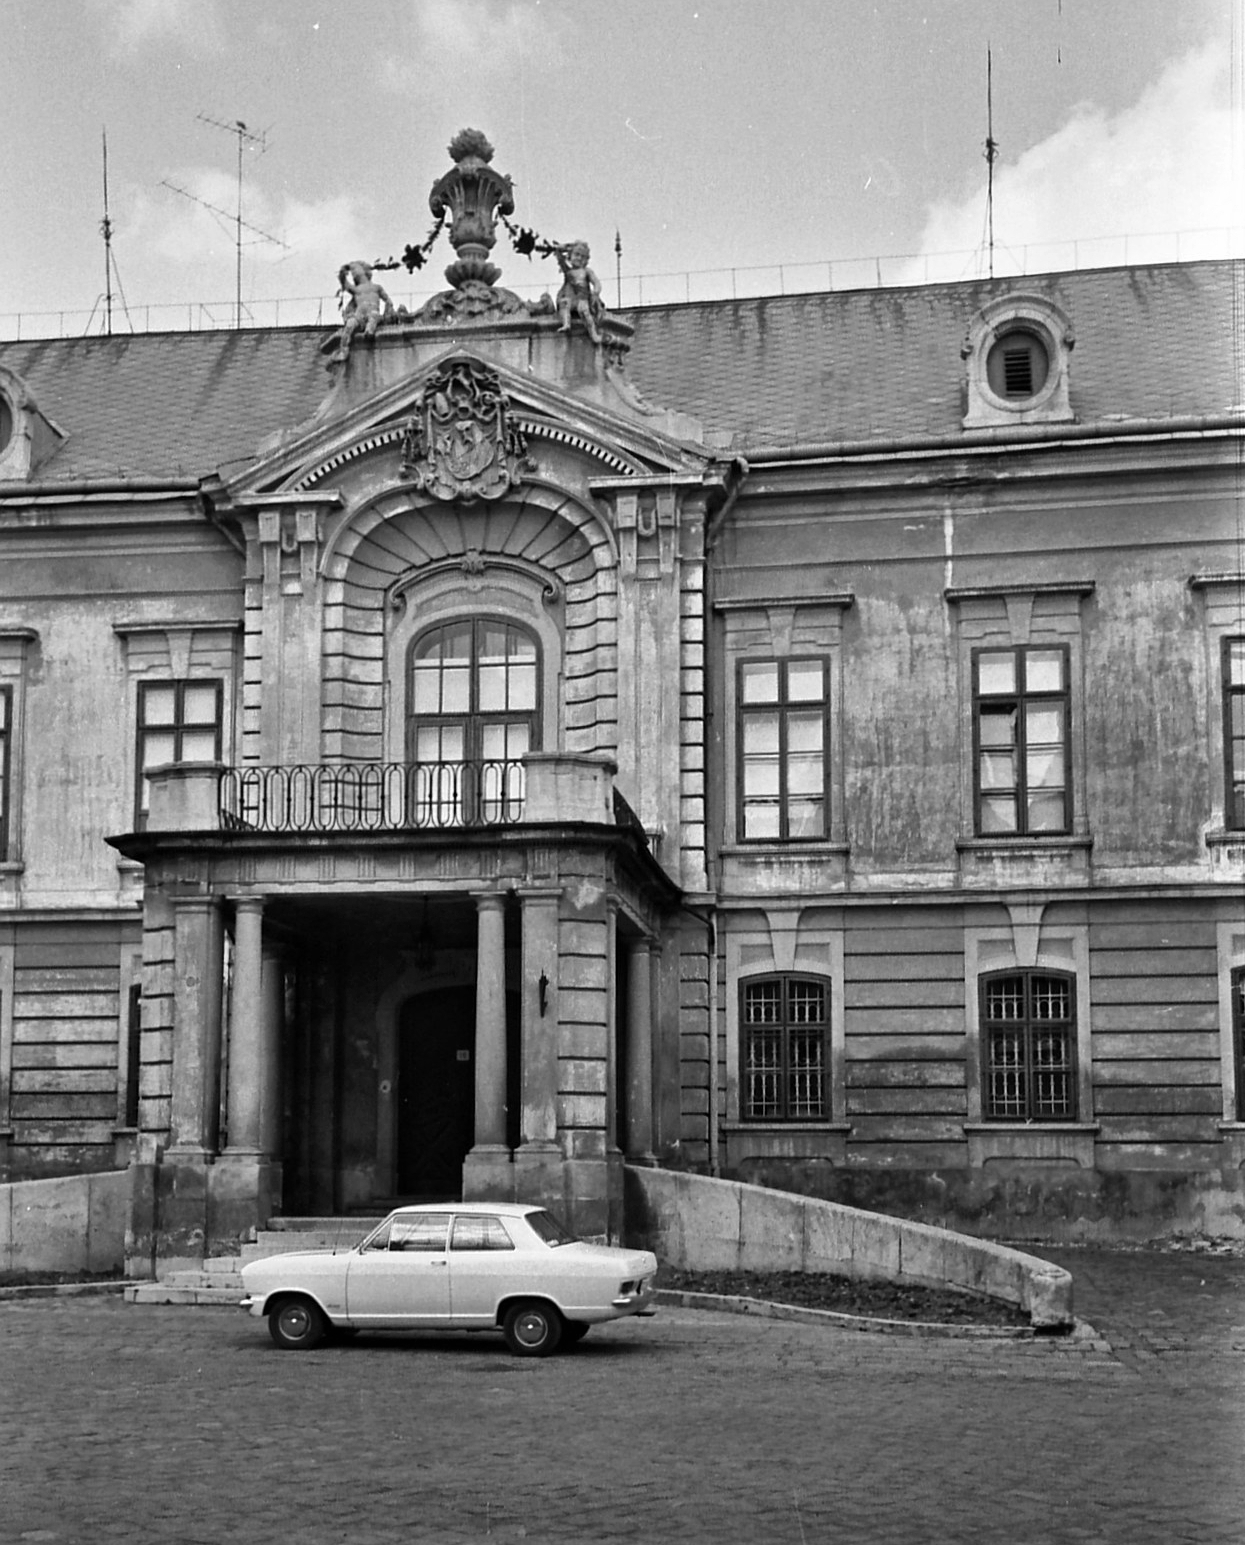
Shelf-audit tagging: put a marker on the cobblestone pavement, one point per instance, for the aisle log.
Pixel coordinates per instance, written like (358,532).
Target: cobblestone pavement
(182,1425)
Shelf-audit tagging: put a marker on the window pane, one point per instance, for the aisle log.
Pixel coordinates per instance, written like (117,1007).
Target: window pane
(804,732)
(1044,670)
(996,673)
(159,705)
(522,687)
(4,710)
(998,770)
(761,821)
(761,778)
(760,732)
(1046,813)
(998,813)
(455,689)
(199,746)
(159,748)
(758,682)
(763,1003)
(492,685)
(806,681)
(1044,769)
(1005,997)
(199,703)
(805,775)
(422,1232)
(806,818)
(1043,725)
(998,726)
(1236,662)
(427,697)
(480,1233)
(492,642)
(806,1003)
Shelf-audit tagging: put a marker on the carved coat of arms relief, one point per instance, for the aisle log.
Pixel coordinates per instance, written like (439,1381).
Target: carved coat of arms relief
(461,442)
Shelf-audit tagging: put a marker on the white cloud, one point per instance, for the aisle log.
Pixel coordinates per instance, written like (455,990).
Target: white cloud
(460,42)
(133,23)
(1167,164)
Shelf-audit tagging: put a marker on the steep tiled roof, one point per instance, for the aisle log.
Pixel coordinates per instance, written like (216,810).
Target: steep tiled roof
(1151,342)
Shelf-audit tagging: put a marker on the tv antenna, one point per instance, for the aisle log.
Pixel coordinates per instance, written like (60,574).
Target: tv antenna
(992,155)
(246,140)
(110,263)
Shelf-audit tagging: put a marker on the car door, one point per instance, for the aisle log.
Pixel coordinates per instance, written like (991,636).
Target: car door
(482,1268)
(402,1279)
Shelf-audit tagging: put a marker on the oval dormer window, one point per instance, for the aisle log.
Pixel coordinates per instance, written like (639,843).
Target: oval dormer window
(1017,365)
(6,421)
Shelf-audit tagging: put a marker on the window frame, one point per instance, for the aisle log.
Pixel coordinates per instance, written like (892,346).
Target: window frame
(787,979)
(1028,1022)
(1022,697)
(1236,1000)
(1233,771)
(473,719)
(783,706)
(178,728)
(6,767)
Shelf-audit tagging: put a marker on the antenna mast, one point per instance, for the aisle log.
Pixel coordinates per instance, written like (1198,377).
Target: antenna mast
(106,230)
(255,141)
(992,154)
(618,265)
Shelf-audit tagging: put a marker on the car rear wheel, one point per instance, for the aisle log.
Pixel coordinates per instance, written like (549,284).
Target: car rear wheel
(532,1329)
(297,1324)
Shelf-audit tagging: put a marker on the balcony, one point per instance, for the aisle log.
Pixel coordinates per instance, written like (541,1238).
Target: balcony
(354,798)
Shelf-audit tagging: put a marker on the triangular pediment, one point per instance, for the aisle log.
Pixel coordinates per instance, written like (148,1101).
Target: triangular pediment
(555,424)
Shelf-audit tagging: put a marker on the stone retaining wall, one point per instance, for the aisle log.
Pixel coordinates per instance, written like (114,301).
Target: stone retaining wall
(75,1223)
(701,1224)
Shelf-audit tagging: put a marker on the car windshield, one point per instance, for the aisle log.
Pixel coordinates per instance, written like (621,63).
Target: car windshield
(547,1227)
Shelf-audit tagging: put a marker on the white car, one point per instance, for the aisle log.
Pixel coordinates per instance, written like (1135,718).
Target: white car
(454,1266)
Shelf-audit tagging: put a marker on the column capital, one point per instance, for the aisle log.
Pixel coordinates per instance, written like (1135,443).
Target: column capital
(486,899)
(248,903)
(539,892)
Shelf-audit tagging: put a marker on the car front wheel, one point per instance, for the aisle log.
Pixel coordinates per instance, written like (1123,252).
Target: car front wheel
(297,1324)
(532,1329)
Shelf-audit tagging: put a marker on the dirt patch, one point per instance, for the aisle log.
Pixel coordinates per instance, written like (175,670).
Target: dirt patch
(848,1295)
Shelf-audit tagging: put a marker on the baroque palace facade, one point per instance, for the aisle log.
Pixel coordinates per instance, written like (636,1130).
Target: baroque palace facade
(801,739)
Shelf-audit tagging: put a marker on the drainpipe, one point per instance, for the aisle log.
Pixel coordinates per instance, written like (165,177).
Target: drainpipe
(715,1162)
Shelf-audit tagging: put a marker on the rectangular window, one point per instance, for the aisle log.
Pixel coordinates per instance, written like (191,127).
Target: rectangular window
(1234,730)
(6,737)
(178,721)
(783,735)
(1029,1035)
(1020,732)
(133,1054)
(1238,1037)
(786,1023)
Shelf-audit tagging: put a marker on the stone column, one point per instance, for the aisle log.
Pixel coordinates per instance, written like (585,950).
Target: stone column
(198,968)
(272,999)
(538,1160)
(241,1184)
(487,1171)
(183,1224)
(640,1051)
(248,1058)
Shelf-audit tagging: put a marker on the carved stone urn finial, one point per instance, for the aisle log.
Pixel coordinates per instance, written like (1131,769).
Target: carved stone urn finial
(472,194)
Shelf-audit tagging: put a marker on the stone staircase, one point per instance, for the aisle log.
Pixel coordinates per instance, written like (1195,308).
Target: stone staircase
(219,1281)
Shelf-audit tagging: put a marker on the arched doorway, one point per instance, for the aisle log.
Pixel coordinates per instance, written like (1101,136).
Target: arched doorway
(435,1108)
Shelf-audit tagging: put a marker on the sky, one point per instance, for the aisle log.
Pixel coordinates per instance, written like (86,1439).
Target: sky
(735,146)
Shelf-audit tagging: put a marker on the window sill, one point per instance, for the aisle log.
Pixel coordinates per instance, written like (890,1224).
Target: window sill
(786,1126)
(1031,1142)
(791,847)
(988,861)
(759,1142)
(1227,849)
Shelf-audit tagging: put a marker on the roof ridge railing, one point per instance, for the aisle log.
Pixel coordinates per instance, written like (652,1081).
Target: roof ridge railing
(683,286)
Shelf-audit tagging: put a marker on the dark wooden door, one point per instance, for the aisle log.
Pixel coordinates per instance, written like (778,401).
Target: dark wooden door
(436,1092)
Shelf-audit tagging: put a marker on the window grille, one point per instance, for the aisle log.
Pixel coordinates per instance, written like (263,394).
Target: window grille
(785,1056)
(1028,1028)
(1238,1036)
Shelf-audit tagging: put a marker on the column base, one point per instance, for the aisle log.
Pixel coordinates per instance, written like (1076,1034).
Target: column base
(241,1190)
(488,1174)
(538,1176)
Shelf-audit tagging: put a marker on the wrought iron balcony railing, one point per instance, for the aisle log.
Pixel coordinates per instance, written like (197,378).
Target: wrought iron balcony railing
(372,796)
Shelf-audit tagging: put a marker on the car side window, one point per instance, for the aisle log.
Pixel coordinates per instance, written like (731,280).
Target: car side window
(424,1233)
(480,1233)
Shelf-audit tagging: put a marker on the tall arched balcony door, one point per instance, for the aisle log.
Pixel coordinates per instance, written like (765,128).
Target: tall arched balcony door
(473,696)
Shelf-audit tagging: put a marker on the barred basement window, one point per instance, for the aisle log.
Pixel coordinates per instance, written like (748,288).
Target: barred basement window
(1020,728)
(1029,1029)
(786,1022)
(1238,1037)
(1234,731)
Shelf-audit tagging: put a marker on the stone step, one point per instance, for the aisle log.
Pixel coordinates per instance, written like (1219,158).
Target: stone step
(186,1288)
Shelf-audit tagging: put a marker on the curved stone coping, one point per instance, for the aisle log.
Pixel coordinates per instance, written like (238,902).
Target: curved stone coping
(702,1224)
(835,1319)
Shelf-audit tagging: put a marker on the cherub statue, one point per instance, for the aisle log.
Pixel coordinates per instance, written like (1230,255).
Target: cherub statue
(580,294)
(367,306)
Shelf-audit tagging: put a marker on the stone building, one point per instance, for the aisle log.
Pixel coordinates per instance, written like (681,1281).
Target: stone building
(800,738)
